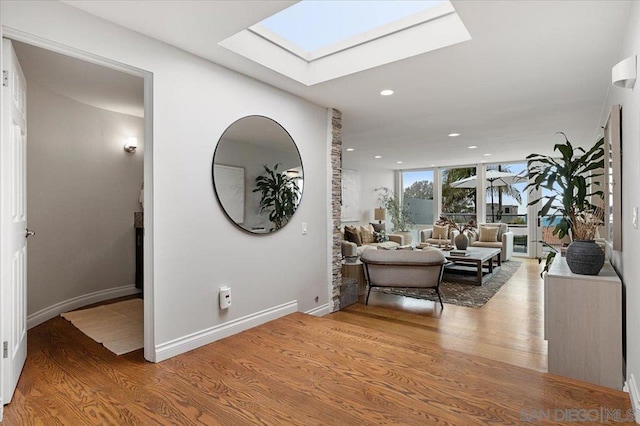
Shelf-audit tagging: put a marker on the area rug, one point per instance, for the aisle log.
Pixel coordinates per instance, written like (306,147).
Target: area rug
(461,294)
(118,326)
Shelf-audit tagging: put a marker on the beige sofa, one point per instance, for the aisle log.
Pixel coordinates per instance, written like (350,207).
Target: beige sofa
(404,268)
(350,249)
(503,239)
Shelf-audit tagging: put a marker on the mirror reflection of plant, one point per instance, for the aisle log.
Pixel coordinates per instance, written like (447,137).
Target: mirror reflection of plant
(399,214)
(280,195)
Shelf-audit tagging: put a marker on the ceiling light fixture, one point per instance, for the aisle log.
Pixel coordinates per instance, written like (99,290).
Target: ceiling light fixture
(398,162)
(350,149)
(377,156)
(386,92)
(453,135)
(487,155)
(472,147)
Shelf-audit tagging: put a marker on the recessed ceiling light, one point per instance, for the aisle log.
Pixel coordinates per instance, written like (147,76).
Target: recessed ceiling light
(433,165)
(483,161)
(398,162)
(487,155)
(350,149)
(453,135)
(377,156)
(472,147)
(386,92)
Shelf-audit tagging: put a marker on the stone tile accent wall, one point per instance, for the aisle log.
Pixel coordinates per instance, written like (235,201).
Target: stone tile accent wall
(336,205)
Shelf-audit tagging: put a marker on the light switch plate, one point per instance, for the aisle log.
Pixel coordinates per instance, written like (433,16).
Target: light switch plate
(634,217)
(304,228)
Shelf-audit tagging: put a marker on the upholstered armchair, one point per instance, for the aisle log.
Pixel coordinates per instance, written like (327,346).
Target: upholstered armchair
(494,235)
(404,268)
(438,234)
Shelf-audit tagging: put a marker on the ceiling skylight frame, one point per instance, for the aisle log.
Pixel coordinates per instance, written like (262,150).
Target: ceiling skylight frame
(421,34)
(419,18)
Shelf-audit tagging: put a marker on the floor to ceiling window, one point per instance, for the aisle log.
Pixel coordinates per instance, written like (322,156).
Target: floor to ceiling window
(417,195)
(458,203)
(506,200)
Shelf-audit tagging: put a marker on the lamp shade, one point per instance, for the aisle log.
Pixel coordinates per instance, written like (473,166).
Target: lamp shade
(623,73)
(379,214)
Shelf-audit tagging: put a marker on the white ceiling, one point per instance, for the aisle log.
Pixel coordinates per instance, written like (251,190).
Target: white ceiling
(82,81)
(531,69)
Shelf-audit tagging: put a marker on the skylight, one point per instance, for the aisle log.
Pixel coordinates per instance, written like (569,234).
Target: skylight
(312,25)
(316,41)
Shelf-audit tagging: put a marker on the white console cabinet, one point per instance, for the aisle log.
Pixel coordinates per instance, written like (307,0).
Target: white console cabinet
(583,324)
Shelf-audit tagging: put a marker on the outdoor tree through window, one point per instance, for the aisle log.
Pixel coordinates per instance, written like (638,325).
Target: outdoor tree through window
(418,195)
(458,204)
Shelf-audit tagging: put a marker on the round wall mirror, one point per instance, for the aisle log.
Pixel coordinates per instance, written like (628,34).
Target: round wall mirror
(257,174)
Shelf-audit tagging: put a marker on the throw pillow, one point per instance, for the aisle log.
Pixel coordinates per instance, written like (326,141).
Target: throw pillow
(378,227)
(440,232)
(488,234)
(366,234)
(380,237)
(351,234)
(502,228)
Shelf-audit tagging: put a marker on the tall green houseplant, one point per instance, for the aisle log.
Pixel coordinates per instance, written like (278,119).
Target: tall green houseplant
(569,182)
(280,195)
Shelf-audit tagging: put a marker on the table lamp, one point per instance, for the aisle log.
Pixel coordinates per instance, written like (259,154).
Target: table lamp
(379,214)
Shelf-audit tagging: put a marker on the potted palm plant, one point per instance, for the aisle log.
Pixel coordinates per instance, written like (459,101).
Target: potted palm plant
(280,195)
(574,203)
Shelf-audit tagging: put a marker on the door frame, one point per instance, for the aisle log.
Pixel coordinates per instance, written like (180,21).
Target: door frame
(148,287)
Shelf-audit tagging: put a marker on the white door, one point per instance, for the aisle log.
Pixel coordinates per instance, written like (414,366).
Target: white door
(13,222)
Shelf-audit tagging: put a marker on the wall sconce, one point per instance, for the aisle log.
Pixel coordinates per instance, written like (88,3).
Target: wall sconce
(379,214)
(131,144)
(623,74)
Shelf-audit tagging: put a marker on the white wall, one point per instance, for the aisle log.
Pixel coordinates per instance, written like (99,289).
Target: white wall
(81,194)
(626,261)
(196,250)
(370,179)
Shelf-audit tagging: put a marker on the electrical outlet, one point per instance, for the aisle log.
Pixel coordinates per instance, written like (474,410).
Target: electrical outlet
(634,217)
(225,297)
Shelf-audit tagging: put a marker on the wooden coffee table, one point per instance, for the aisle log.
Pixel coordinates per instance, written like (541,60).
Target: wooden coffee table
(479,257)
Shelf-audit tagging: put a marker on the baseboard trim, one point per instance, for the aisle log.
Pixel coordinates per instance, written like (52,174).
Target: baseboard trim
(634,394)
(320,311)
(53,311)
(195,340)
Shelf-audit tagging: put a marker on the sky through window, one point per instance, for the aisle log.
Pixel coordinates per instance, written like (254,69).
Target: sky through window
(313,24)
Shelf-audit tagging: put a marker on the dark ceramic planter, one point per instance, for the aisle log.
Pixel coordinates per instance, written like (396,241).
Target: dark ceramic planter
(462,241)
(585,257)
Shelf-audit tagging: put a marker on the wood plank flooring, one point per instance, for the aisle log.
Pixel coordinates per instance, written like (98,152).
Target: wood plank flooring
(305,370)
(508,328)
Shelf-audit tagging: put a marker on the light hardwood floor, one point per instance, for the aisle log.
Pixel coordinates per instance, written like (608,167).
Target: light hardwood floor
(508,328)
(305,370)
